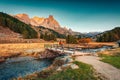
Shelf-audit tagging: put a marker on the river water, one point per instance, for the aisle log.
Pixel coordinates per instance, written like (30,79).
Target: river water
(96,49)
(21,66)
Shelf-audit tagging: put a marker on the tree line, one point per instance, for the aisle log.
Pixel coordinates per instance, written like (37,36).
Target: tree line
(109,36)
(48,37)
(70,39)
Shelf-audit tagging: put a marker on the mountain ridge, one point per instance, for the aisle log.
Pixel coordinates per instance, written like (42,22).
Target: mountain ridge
(109,36)
(49,22)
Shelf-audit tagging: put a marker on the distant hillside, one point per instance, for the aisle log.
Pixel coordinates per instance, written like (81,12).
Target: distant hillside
(17,26)
(109,36)
(47,31)
(91,34)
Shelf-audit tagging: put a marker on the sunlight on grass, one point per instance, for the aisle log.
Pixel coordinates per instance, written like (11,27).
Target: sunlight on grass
(113,59)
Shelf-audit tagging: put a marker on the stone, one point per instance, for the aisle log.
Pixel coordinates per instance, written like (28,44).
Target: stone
(59,69)
(69,60)
(66,65)
(74,66)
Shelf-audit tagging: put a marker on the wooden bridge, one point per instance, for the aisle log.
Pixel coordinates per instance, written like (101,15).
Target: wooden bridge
(70,51)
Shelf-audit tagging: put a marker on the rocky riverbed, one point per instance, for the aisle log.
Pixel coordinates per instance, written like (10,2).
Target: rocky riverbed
(60,63)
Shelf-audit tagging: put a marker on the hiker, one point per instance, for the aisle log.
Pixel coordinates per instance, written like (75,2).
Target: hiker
(61,44)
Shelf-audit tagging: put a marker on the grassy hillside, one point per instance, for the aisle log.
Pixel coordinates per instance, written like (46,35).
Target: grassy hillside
(17,26)
(109,36)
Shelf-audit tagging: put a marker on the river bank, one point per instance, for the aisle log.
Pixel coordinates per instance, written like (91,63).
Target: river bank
(28,62)
(9,50)
(20,49)
(65,68)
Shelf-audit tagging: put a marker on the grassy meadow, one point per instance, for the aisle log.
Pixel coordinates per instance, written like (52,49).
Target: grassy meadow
(111,56)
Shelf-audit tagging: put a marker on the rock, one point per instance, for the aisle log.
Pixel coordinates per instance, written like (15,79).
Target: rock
(66,59)
(59,69)
(69,60)
(66,65)
(74,66)
(58,63)
(23,17)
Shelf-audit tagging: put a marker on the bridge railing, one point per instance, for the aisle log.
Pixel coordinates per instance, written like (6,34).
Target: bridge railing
(48,46)
(63,49)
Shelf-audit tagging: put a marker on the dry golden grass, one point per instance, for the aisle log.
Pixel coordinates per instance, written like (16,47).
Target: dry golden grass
(11,49)
(15,48)
(115,51)
(103,43)
(91,44)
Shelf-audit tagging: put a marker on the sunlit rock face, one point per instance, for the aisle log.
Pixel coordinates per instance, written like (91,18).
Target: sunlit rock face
(37,21)
(23,17)
(49,22)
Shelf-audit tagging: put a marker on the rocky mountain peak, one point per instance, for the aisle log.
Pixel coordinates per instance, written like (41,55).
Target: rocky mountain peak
(66,28)
(37,20)
(51,17)
(49,22)
(23,17)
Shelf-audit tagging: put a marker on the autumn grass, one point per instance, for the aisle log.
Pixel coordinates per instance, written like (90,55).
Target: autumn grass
(103,43)
(13,48)
(91,44)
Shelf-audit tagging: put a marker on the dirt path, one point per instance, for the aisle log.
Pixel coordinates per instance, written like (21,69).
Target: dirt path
(110,72)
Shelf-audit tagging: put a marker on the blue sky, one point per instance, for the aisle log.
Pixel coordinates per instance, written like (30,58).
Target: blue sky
(79,15)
